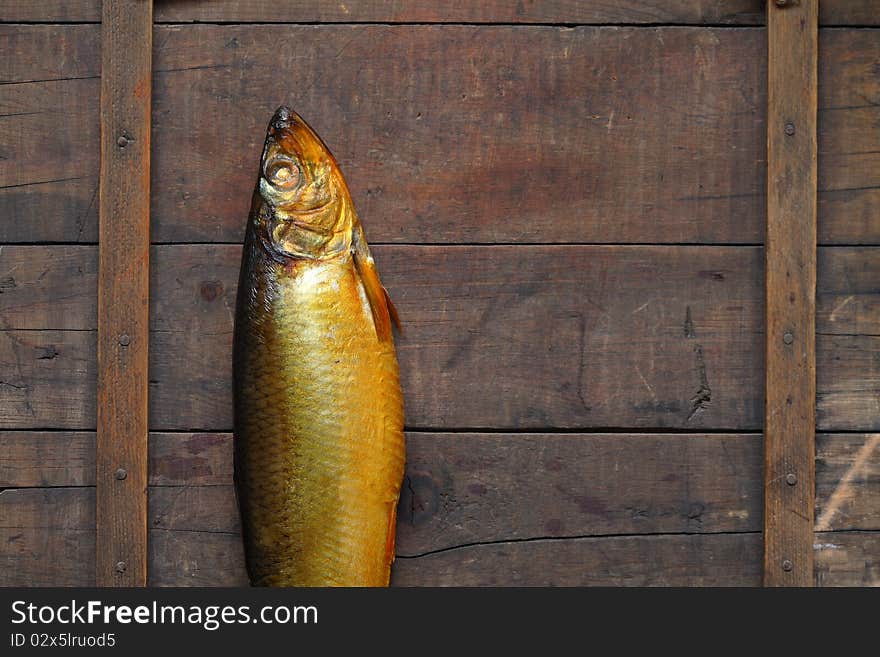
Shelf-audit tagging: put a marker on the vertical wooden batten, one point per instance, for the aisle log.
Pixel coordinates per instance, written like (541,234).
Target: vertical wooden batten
(789,420)
(123,293)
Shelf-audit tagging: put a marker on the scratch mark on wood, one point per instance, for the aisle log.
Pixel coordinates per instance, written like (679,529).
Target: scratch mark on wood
(642,307)
(840,307)
(844,492)
(645,381)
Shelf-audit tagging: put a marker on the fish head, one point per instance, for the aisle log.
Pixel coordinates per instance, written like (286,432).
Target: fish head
(304,203)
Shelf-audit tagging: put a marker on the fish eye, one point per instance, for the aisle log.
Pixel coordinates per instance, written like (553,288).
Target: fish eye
(282,172)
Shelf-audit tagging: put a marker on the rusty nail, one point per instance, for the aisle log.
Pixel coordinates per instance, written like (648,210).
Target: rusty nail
(791,478)
(788,337)
(124,340)
(789,128)
(120,474)
(122,142)
(787,565)
(120,566)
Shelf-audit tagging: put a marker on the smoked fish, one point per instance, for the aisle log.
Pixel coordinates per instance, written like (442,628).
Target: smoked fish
(319,446)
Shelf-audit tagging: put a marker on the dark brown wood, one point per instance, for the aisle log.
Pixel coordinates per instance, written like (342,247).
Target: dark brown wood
(790,384)
(48,379)
(847,481)
(123,293)
(47,458)
(677,560)
(847,558)
(745,12)
(50,11)
(585,336)
(52,372)
(849,142)
(847,485)
(706,140)
(47,537)
(469,488)
(739,12)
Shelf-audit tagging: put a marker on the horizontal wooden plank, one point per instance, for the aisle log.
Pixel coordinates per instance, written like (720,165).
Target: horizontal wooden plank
(626,325)
(47,458)
(465,470)
(848,382)
(738,12)
(847,482)
(468,488)
(54,537)
(477,122)
(847,558)
(464,488)
(683,560)
(47,537)
(686,143)
(48,379)
(847,292)
(745,12)
(665,338)
(50,11)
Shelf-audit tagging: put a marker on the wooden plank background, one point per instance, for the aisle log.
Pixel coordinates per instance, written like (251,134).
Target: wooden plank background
(580,275)
(790,277)
(741,12)
(699,178)
(123,294)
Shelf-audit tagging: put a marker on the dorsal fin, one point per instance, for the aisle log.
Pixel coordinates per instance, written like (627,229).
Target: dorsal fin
(381,307)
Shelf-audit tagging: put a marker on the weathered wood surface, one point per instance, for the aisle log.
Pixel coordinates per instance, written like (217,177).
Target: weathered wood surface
(847,481)
(847,558)
(47,537)
(739,12)
(123,293)
(687,147)
(464,309)
(847,477)
(469,489)
(790,284)
(613,336)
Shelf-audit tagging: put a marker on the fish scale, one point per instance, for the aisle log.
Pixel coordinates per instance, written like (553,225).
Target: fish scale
(319,447)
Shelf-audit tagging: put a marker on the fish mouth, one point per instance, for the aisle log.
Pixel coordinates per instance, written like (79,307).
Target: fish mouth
(305,225)
(282,118)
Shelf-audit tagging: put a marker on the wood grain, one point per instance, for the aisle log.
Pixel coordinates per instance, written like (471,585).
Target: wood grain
(707,142)
(48,379)
(446,295)
(790,283)
(847,558)
(47,537)
(848,481)
(123,293)
(465,493)
(641,336)
(456,467)
(740,12)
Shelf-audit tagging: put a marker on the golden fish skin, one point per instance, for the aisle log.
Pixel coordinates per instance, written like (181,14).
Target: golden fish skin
(319,446)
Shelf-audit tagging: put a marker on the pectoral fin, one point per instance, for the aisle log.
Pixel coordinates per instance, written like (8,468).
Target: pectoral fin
(381,307)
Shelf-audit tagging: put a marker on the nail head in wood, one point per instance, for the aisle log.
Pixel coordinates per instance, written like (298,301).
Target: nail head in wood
(787,565)
(789,128)
(124,340)
(788,337)
(781,3)
(122,142)
(120,474)
(121,567)
(791,478)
